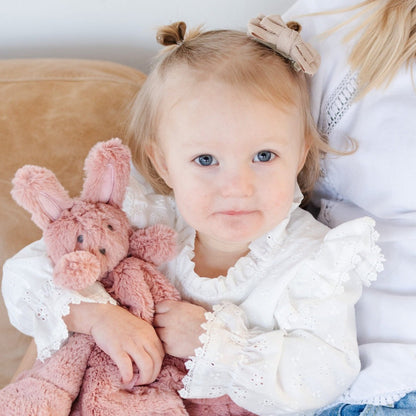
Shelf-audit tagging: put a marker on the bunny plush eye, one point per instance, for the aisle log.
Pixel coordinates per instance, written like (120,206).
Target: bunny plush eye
(80,239)
(110,227)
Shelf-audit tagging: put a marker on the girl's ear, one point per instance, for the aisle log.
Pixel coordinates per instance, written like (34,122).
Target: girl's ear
(158,160)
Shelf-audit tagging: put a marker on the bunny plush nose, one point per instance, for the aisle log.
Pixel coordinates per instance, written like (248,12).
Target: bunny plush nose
(102,250)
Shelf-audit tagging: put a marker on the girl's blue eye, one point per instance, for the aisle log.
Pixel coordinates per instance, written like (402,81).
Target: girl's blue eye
(206,160)
(264,156)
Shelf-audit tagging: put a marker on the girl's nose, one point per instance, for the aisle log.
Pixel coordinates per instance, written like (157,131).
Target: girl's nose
(238,183)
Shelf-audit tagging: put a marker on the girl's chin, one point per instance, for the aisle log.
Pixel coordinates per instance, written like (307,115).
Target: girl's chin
(232,239)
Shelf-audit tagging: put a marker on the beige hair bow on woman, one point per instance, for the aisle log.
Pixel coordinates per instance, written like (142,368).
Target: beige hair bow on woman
(285,40)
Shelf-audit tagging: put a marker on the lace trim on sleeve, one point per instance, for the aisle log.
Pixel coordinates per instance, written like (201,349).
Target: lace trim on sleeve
(199,353)
(50,329)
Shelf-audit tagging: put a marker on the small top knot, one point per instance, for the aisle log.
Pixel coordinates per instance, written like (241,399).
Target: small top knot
(294,26)
(173,34)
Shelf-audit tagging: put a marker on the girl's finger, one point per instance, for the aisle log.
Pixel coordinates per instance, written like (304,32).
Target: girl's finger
(161,333)
(159,321)
(157,361)
(146,365)
(163,307)
(125,366)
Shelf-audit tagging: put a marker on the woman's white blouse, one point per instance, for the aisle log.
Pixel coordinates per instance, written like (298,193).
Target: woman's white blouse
(377,180)
(280,331)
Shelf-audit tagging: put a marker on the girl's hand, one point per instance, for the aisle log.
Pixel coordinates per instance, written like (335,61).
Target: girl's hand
(178,325)
(121,335)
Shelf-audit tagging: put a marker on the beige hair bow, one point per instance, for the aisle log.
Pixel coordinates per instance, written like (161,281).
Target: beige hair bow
(274,33)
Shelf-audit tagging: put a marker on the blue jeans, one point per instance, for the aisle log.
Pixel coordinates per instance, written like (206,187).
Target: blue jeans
(404,407)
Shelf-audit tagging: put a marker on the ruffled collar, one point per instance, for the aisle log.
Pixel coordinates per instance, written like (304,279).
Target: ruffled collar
(243,275)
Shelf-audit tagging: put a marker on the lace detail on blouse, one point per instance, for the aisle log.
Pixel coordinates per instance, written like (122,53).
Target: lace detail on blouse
(332,112)
(338,103)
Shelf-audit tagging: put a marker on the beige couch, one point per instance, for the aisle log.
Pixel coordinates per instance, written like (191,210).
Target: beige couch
(51,113)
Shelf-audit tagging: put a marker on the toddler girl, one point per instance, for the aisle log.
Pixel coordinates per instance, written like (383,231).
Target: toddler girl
(224,142)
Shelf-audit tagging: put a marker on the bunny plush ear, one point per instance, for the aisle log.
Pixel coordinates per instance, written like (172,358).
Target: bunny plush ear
(107,171)
(38,191)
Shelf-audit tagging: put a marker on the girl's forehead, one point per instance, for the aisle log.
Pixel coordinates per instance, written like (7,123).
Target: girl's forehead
(209,94)
(185,83)
(214,112)
(204,99)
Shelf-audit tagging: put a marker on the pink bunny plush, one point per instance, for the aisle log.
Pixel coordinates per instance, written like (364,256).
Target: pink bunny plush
(89,239)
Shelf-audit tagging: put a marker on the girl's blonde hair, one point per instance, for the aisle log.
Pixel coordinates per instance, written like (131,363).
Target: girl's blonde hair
(230,57)
(386,41)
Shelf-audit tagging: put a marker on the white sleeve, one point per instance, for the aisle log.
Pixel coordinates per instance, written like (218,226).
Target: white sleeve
(273,372)
(310,357)
(35,305)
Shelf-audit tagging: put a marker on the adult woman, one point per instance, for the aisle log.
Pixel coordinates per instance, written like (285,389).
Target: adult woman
(365,90)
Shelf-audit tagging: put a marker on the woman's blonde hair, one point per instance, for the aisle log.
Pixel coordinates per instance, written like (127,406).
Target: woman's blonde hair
(386,40)
(231,57)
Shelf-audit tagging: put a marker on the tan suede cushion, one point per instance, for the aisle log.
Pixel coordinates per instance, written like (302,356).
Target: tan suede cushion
(51,112)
